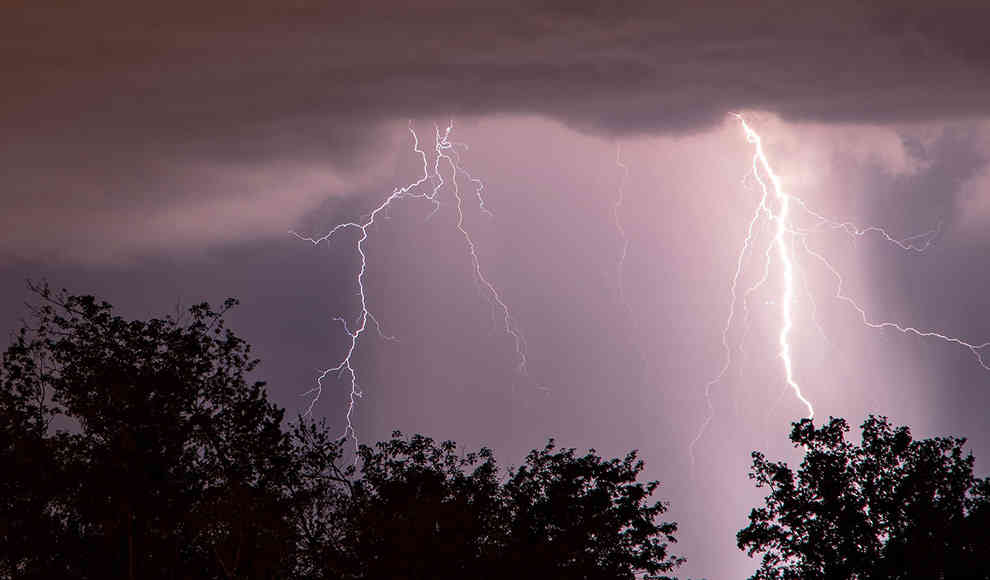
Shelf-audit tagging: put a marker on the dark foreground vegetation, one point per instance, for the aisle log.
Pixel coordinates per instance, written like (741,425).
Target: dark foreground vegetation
(891,507)
(139,449)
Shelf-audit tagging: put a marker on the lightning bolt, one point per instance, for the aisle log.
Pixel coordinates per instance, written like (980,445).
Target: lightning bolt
(445,150)
(615,209)
(782,220)
(620,199)
(444,154)
(975,349)
(776,206)
(761,208)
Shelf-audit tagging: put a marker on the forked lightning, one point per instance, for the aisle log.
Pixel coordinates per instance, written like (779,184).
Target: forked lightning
(428,187)
(775,206)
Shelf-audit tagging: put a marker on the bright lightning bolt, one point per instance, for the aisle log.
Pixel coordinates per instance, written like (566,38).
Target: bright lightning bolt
(784,251)
(445,153)
(783,243)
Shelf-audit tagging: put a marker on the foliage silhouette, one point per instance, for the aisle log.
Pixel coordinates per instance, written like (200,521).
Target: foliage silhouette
(139,449)
(414,508)
(891,507)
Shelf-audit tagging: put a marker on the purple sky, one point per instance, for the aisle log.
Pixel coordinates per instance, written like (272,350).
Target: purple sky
(156,156)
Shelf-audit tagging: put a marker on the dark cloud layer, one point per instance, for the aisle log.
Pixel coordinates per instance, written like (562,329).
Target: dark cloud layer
(188,69)
(221,79)
(121,103)
(111,105)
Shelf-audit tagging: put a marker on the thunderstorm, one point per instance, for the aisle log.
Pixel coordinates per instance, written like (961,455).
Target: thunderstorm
(775,207)
(442,170)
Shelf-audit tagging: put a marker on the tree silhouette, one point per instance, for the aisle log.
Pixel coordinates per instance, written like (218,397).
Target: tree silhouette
(891,507)
(583,517)
(138,449)
(414,509)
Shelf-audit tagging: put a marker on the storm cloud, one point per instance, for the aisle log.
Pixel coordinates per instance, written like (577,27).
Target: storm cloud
(116,111)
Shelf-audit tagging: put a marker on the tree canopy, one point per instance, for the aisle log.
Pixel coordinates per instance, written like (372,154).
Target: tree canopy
(420,510)
(140,449)
(890,507)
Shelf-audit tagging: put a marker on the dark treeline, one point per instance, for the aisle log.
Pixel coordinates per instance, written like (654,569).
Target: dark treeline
(140,449)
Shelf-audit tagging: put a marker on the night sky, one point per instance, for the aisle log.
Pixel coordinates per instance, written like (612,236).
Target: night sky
(157,156)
